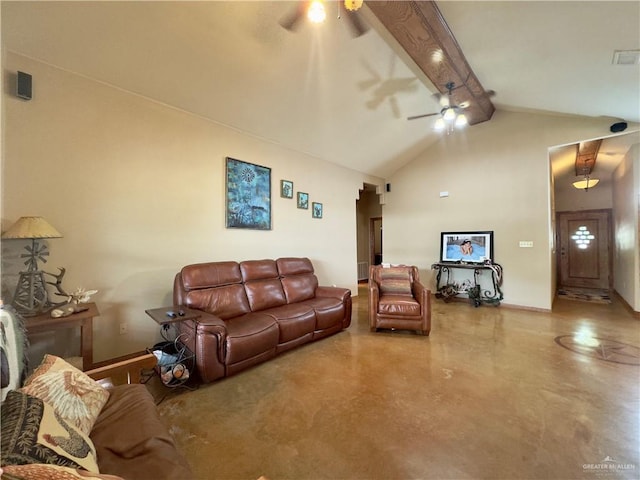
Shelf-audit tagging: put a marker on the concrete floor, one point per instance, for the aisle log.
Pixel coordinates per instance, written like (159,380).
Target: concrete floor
(489,395)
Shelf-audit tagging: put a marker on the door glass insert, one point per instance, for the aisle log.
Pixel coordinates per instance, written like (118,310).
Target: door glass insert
(582,237)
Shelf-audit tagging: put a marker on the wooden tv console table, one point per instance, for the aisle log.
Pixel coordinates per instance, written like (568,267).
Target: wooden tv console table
(472,288)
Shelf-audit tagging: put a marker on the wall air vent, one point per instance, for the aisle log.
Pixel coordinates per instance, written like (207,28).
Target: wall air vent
(626,57)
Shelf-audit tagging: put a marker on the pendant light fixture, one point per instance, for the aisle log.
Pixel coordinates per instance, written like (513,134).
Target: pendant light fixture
(586,184)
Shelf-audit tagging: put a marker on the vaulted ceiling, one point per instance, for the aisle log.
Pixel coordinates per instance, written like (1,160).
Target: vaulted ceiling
(334,97)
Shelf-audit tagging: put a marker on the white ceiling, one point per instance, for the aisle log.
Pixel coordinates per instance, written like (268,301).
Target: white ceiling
(322,92)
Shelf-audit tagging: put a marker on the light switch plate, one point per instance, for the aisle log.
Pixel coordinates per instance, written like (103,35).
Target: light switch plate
(526,244)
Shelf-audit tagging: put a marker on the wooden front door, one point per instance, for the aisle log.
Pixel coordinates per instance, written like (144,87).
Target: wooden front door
(584,249)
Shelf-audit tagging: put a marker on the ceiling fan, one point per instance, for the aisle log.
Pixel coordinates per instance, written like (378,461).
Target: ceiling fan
(314,10)
(450,113)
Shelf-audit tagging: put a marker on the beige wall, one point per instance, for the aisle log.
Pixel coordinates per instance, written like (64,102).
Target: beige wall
(497,175)
(137,190)
(571,199)
(626,200)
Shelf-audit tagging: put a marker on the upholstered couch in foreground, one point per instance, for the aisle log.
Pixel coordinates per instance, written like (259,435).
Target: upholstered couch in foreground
(254,310)
(62,423)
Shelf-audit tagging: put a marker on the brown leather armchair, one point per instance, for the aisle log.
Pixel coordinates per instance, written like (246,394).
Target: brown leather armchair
(398,300)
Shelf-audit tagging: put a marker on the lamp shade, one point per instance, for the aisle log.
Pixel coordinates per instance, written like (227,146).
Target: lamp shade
(586,184)
(31,227)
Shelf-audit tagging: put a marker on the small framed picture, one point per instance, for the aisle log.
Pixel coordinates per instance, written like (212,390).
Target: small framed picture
(316,210)
(303,200)
(286,189)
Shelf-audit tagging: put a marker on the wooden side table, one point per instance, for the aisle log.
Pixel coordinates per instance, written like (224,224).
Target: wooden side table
(45,323)
(168,317)
(161,318)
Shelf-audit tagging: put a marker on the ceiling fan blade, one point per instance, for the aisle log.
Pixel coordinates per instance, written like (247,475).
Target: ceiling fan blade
(357,26)
(422,116)
(292,20)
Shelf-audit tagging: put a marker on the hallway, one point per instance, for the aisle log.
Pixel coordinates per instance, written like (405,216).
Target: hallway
(489,395)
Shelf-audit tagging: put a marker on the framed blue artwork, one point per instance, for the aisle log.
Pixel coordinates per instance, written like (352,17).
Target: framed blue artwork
(303,200)
(286,188)
(248,195)
(316,210)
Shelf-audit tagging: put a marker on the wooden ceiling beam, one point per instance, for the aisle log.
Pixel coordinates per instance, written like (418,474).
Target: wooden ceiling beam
(586,154)
(422,32)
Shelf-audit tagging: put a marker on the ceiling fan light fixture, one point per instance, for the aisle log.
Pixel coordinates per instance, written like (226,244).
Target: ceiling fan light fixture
(461,120)
(316,12)
(439,125)
(449,114)
(353,5)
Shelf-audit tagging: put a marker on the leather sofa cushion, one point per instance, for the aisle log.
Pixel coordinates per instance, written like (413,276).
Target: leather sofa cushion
(300,287)
(329,311)
(294,320)
(294,266)
(205,275)
(225,302)
(398,305)
(249,336)
(263,294)
(258,269)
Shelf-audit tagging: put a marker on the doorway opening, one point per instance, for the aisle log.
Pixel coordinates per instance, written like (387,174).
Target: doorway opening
(375,241)
(369,230)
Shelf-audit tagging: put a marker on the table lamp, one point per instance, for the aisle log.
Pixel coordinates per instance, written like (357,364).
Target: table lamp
(31,297)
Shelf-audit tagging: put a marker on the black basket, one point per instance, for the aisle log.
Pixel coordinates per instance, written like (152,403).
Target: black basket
(175,362)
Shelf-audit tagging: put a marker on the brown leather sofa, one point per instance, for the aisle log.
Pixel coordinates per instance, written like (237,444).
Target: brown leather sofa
(254,310)
(397,299)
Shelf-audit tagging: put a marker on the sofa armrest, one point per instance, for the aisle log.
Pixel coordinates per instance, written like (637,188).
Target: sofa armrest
(125,371)
(420,292)
(374,292)
(334,292)
(423,295)
(206,337)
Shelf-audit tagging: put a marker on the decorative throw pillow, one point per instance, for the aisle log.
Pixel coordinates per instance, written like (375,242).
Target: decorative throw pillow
(41,471)
(75,396)
(395,286)
(32,432)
